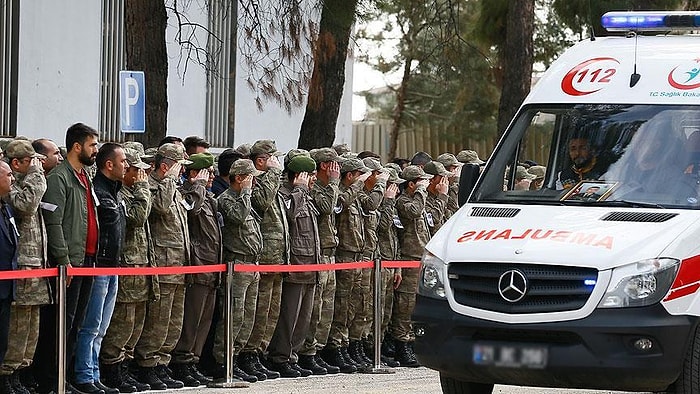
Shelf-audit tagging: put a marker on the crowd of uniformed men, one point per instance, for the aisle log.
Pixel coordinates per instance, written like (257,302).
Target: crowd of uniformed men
(176,205)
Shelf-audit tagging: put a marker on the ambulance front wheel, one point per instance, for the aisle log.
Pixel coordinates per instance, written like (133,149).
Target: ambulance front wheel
(454,386)
(689,380)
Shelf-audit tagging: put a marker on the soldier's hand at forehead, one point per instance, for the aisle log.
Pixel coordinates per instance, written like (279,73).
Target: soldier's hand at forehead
(36,162)
(202,174)
(363,177)
(391,191)
(273,162)
(383,177)
(334,170)
(141,175)
(301,179)
(174,170)
(423,183)
(443,186)
(247,182)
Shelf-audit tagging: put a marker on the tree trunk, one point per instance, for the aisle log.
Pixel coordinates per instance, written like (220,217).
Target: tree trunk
(328,77)
(145,23)
(397,116)
(518,58)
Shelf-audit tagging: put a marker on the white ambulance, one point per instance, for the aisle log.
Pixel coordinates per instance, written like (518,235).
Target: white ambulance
(593,279)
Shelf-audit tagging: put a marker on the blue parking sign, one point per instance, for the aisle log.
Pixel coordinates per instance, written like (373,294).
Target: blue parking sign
(132,102)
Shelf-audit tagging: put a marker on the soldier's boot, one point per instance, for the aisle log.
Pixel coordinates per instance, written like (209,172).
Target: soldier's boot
(17,385)
(405,355)
(302,371)
(26,376)
(260,367)
(388,348)
(354,353)
(246,362)
(6,385)
(309,362)
(147,375)
(238,372)
(334,357)
(331,369)
(111,377)
(128,377)
(182,373)
(105,389)
(364,354)
(162,373)
(197,374)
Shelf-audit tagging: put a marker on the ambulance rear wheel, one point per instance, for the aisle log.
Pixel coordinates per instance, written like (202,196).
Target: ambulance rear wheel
(454,386)
(689,380)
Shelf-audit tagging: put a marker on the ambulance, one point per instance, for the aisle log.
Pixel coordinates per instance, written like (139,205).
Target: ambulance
(590,279)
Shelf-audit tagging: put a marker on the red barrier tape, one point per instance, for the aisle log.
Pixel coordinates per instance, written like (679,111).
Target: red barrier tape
(200,269)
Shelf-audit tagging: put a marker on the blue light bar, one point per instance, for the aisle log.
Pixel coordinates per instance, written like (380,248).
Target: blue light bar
(589,282)
(650,20)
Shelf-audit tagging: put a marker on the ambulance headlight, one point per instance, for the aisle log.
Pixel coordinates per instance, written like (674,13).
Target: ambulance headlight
(431,282)
(642,283)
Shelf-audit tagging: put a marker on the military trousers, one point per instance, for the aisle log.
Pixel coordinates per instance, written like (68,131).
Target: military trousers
(321,312)
(361,303)
(267,312)
(404,303)
(345,282)
(245,293)
(293,323)
(162,327)
(387,298)
(24,334)
(124,332)
(199,310)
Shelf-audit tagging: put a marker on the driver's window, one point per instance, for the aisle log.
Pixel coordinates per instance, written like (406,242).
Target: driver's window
(528,168)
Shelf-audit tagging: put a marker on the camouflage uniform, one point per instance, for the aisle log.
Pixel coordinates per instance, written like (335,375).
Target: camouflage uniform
(448,160)
(388,250)
(30,293)
(325,197)
(243,245)
(267,203)
(135,291)
(171,243)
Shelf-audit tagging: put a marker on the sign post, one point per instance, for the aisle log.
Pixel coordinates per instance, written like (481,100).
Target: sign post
(132,102)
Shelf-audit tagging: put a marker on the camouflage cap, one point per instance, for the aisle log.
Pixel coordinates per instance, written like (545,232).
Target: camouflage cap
(411,173)
(243,149)
(537,171)
(342,148)
(173,152)
(201,161)
(301,163)
(352,164)
(469,157)
(394,176)
(133,157)
(149,155)
(448,160)
(243,167)
(135,145)
(294,153)
(321,155)
(395,166)
(372,163)
(262,147)
(19,149)
(521,173)
(348,155)
(436,168)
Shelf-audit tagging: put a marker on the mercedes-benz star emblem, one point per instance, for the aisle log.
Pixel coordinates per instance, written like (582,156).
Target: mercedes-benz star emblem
(512,285)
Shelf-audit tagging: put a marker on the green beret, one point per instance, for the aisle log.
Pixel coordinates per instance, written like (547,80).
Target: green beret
(301,163)
(201,161)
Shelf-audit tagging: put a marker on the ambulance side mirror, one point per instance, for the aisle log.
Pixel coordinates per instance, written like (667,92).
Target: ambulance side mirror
(467,181)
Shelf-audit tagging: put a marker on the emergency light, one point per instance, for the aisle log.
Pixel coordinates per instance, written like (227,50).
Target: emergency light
(650,20)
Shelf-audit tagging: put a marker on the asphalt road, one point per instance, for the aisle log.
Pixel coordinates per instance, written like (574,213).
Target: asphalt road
(404,380)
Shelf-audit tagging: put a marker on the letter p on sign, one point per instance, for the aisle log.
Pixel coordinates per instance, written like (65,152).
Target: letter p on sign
(132,102)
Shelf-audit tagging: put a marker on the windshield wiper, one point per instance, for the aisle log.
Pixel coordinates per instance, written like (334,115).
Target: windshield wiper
(635,204)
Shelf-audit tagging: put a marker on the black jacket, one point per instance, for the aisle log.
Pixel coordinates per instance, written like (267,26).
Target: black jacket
(112,218)
(8,249)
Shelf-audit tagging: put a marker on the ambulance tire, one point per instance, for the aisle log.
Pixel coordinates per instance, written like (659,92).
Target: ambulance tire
(454,386)
(689,380)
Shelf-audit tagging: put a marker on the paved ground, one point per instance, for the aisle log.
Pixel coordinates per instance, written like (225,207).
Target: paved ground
(405,380)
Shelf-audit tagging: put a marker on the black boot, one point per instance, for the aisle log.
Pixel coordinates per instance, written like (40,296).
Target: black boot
(107,390)
(128,377)
(286,370)
(182,373)
(260,367)
(405,355)
(303,371)
(246,362)
(309,363)
(111,377)
(162,373)
(331,369)
(197,374)
(334,357)
(6,385)
(354,353)
(86,388)
(238,372)
(26,376)
(17,385)
(147,375)
(388,348)
(389,362)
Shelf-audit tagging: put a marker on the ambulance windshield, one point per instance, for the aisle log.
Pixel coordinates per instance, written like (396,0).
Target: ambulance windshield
(623,155)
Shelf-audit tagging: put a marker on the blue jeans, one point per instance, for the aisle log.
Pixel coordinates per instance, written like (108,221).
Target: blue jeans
(92,331)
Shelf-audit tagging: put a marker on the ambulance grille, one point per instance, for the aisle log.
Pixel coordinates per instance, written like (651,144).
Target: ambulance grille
(645,217)
(495,212)
(550,288)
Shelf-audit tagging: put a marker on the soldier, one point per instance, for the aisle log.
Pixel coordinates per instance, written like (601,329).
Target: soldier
(411,210)
(24,199)
(243,245)
(350,247)
(361,304)
(297,287)
(204,220)
(133,292)
(224,162)
(437,199)
(268,204)
(171,245)
(70,216)
(52,155)
(325,194)
(451,164)
(468,156)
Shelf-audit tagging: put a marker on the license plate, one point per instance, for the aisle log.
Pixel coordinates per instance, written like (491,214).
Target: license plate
(511,356)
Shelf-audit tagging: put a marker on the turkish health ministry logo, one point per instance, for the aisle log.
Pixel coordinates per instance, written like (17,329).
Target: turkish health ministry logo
(589,76)
(685,76)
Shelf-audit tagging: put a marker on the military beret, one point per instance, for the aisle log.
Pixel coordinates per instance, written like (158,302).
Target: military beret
(201,161)
(301,163)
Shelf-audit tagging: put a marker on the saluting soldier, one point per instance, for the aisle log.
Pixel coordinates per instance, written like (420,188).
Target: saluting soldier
(437,199)
(454,167)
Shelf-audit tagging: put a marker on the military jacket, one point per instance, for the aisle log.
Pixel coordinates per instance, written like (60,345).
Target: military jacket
(137,203)
(304,244)
(411,210)
(203,219)
(388,238)
(370,201)
(241,228)
(268,204)
(325,198)
(351,227)
(452,201)
(435,211)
